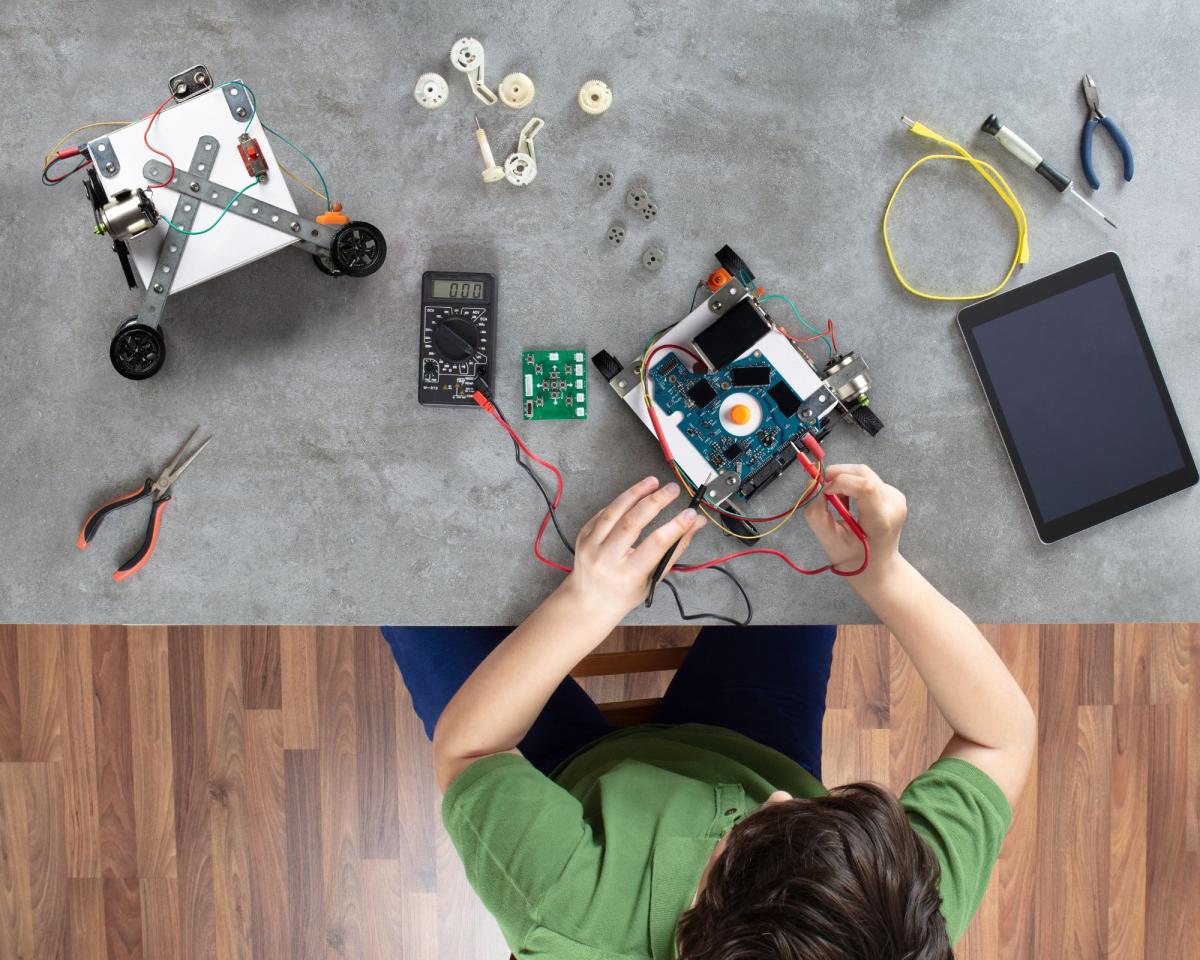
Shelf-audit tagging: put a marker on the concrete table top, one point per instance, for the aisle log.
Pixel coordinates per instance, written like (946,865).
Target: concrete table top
(329,496)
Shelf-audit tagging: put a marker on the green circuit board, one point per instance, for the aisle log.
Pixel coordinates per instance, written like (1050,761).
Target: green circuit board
(554,384)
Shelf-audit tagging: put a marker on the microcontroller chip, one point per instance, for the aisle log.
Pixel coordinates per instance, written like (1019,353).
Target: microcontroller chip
(701,393)
(733,451)
(785,398)
(750,376)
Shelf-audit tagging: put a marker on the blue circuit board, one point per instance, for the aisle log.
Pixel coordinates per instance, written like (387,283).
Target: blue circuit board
(699,398)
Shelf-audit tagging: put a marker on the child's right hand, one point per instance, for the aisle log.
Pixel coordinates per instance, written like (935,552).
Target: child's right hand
(881,511)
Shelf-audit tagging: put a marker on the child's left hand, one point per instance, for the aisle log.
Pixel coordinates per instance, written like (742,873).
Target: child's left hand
(611,574)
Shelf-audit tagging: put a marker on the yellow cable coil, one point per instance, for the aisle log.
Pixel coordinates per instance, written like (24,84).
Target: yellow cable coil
(994,180)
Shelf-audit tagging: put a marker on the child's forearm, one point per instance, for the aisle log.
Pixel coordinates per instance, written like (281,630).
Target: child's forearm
(967,680)
(494,709)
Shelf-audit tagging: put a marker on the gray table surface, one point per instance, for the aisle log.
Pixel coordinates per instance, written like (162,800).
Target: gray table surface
(328,495)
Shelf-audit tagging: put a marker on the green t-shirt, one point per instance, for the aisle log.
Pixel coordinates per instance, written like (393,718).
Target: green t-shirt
(599,862)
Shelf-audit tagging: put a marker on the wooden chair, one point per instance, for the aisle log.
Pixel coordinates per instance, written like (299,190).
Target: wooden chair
(628,713)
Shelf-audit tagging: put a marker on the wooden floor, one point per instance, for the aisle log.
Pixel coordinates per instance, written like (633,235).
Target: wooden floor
(266,793)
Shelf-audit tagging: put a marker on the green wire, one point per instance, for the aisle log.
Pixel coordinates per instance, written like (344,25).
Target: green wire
(824,335)
(196,233)
(324,186)
(276,133)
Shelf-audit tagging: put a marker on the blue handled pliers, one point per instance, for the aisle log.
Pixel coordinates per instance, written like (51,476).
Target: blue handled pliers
(1095,118)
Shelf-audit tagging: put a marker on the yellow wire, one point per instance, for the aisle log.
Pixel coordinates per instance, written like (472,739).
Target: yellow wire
(995,181)
(313,190)
(691,490)
(87,126)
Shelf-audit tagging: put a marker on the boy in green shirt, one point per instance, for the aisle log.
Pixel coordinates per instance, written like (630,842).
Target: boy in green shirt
(709,836)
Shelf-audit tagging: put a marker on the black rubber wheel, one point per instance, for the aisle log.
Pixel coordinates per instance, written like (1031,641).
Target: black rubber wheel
(137,350)
(358,249)
(325,265)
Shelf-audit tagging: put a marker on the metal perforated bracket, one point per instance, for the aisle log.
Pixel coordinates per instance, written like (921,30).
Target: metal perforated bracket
(104,157)
(311,236)
(237,100)
(171,251)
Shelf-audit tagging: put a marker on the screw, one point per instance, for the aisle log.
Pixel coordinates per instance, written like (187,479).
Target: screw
(158,288)
(194,186)
(241,111)
(110,167)
(730,481)
(295,227)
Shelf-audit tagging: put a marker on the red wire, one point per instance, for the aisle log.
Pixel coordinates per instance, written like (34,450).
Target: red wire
(145,140)
(838,505)
(558,480)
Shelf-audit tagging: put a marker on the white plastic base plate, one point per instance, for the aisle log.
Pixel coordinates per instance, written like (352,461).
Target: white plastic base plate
(235,241)
(775,347)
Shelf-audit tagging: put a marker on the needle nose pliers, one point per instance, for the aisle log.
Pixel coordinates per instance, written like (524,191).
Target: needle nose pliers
(1095,118)
(156,490)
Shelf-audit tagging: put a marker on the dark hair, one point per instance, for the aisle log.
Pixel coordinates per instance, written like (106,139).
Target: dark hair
(837,877)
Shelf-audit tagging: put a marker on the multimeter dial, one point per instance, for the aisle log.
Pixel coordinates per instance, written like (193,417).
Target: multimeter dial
(455,338)
(458,332)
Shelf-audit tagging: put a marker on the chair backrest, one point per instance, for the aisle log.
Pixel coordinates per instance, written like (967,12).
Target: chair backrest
(627,713)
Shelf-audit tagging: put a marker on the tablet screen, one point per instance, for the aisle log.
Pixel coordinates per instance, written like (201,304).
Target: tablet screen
(1078,396)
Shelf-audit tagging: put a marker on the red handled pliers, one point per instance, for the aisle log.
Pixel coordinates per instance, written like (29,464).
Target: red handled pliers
(156,490)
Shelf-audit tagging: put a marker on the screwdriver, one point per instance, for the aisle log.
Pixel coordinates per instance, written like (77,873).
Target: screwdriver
(1031,158)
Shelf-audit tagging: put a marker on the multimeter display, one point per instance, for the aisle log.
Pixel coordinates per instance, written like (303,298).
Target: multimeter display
(458,336)
(457,289)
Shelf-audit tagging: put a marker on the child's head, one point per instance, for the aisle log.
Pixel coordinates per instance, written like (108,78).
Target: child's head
(838,877)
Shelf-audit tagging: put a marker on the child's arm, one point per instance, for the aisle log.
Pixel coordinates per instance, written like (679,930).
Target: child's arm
(993,723)
(494,709)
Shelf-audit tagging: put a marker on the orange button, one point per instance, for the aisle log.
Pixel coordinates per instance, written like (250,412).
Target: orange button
(739,413)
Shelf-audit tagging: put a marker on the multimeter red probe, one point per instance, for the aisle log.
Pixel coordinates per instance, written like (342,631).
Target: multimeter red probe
(813,469)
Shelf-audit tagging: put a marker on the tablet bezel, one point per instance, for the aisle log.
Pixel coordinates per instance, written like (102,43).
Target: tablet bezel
(973,315)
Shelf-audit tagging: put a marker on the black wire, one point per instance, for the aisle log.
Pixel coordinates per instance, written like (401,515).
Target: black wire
(716,616)
(683,614)
(57,180)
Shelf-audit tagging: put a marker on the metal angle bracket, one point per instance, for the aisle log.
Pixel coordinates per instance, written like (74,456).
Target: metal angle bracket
(171,251)
(104,157)
(310,235)
(237,100)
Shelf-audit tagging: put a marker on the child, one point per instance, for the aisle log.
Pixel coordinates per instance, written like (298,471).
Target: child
(708,835)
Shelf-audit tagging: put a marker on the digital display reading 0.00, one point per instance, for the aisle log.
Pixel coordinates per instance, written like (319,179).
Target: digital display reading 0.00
(458,289)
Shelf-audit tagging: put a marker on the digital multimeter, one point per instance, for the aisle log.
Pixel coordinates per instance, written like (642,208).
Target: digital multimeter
(458,336)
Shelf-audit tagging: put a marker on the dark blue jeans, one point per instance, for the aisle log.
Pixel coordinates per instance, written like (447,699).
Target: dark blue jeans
(767,683)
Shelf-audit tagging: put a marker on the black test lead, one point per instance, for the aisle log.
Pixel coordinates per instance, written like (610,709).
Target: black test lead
(1031,158)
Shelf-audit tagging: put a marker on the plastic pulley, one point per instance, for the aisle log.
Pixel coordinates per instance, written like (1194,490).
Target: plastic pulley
(516,91)
(637,197)
(653,258)
(431,90)
(466,54)
(604,180)
(616,234)
(595,97)
(520,169)
(137,350)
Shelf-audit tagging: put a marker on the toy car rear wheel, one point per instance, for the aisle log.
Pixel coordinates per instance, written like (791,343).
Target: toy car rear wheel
(325,265)
(358,249)
(137,350)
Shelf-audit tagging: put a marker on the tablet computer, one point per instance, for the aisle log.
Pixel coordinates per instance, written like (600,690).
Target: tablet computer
(1078,396)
